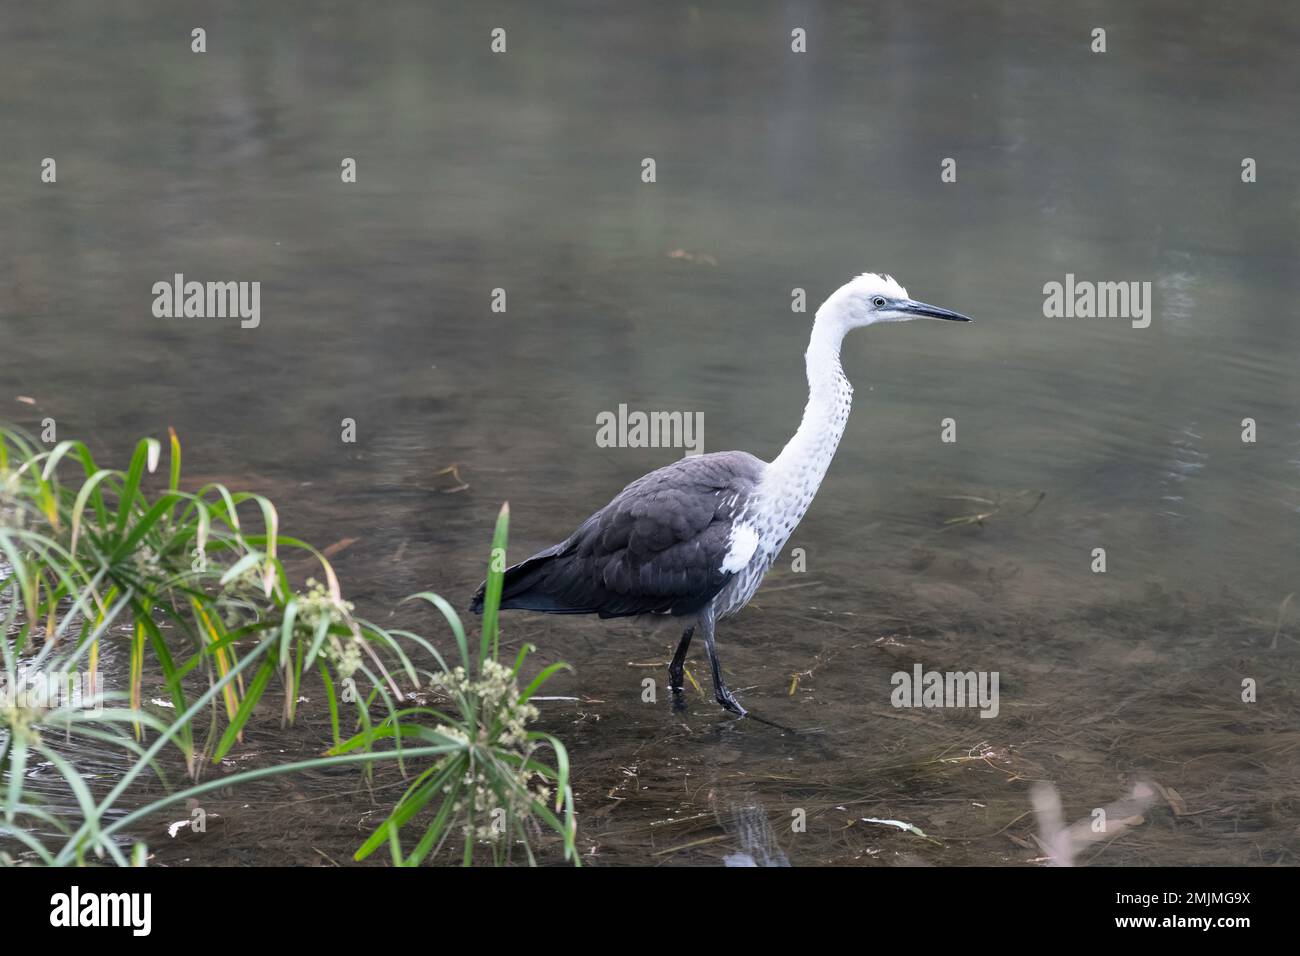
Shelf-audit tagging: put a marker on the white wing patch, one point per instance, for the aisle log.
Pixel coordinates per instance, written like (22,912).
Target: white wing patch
(744,541)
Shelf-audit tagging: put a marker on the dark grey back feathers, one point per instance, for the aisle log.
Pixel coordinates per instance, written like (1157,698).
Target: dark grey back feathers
(657,548)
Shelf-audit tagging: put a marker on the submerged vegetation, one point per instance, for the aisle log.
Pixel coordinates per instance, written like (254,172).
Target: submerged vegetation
(192,587)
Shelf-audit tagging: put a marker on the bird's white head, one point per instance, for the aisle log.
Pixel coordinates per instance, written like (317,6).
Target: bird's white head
(872,298)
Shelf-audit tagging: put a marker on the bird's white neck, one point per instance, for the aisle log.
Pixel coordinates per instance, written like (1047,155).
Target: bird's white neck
(793,477)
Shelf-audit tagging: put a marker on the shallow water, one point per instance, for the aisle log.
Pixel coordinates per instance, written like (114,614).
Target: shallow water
(775,171)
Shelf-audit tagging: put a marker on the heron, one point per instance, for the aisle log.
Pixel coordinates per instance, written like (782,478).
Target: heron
(694,539)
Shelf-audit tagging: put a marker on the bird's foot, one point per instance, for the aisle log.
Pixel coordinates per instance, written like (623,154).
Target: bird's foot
(728,701)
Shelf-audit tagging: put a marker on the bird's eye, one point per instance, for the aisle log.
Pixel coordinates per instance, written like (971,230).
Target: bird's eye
(878,302)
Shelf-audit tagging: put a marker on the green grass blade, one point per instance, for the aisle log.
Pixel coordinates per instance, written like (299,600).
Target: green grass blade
(495,582)
(245,711)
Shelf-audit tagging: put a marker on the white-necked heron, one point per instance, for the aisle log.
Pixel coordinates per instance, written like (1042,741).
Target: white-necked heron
(695,538)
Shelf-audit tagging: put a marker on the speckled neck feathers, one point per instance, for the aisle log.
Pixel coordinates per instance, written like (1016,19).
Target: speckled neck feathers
(788,484)
(792,479)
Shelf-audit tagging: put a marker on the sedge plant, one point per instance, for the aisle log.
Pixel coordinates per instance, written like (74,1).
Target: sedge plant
(95,561)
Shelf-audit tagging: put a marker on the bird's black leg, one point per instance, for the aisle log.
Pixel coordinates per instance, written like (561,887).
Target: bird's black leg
(679,659)
(724,697)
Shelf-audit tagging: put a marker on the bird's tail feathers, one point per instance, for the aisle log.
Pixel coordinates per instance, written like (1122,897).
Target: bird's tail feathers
(525,587)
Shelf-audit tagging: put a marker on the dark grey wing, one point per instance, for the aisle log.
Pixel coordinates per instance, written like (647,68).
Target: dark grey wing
(657,548)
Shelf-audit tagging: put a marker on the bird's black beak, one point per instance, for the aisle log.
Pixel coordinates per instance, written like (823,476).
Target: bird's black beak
(922,310)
